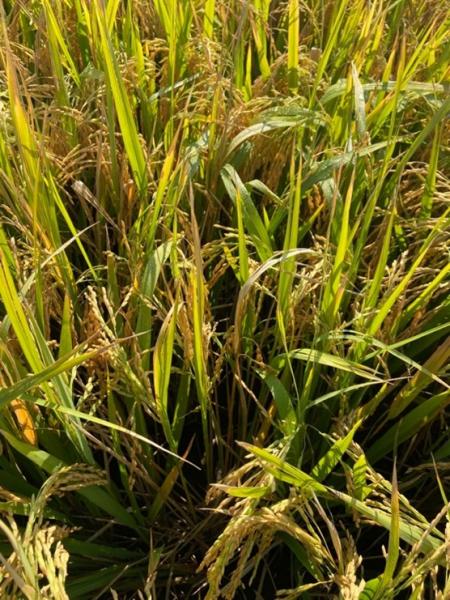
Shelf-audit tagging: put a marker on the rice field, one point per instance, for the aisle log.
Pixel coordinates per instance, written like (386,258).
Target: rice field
(224,299)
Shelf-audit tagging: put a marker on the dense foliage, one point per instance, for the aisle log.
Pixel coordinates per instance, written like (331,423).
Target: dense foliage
(224,299)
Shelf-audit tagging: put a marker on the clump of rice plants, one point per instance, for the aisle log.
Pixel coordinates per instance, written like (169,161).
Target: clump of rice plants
(224,299)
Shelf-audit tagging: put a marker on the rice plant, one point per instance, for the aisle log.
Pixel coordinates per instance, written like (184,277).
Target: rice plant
(224,299)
